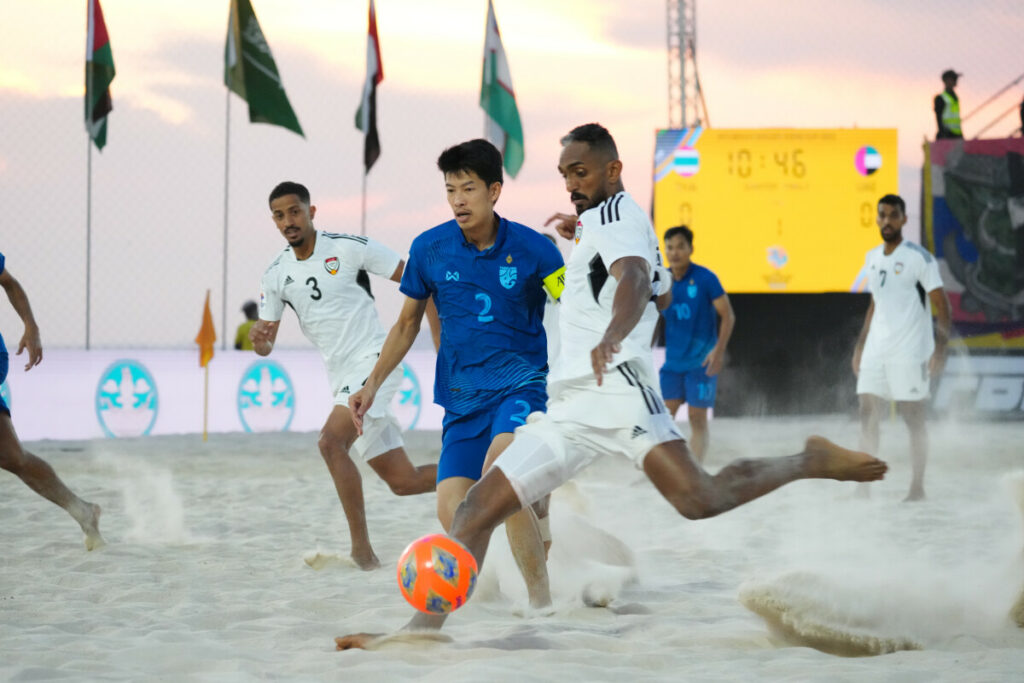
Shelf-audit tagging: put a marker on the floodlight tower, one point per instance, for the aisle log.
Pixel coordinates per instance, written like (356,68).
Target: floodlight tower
(685,99)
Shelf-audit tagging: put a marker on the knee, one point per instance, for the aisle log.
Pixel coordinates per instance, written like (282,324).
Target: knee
(330,445)
(403,486)
(10,460)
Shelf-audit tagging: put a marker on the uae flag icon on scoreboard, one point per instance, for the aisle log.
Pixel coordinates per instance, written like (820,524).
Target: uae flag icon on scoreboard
(868,160)
(686,161)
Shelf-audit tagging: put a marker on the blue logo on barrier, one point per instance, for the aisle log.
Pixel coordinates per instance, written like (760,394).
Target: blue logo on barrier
(266,398)
(5,393)
(126,399)
(408,400)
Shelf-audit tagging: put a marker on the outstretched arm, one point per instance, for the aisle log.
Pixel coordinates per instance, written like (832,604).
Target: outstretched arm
(19,300)
(633,274)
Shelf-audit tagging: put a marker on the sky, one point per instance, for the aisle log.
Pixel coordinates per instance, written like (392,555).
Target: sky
(158,188)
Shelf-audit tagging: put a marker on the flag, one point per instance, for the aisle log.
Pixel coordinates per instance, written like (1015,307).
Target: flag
(99,72)
(366,115)
(207,335)
(250,71)
(499,100)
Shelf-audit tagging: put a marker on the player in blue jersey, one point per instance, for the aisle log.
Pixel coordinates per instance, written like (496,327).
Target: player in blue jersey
(34,471)
(487,276)
(694,340)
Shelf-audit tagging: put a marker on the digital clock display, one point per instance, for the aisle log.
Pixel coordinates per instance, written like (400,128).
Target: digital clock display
(772,210)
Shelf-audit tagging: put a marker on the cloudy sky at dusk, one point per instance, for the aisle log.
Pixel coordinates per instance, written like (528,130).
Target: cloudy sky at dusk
(158,186)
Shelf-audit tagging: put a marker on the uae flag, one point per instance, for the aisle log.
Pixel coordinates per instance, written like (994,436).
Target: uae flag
(499,100)
(99,72)
(366,115)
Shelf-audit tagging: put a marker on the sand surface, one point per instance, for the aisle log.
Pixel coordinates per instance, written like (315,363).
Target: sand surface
(227,560)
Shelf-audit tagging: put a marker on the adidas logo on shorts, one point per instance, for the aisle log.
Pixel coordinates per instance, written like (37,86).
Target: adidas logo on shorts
(344,389)
(637,431)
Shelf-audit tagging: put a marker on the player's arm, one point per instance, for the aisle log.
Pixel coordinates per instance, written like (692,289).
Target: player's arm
(19,300)
(263,334)
(433,319)
(399,340)
(943,325)
(858,348)
(565,224)
(632,295)
(726,323)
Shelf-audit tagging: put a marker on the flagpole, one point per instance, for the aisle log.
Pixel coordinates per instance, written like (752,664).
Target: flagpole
(88,236)
(362,229)
(206,398)
(224,270)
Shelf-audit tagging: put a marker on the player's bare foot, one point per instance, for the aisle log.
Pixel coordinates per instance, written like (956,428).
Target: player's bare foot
(367,561)
(830,461)
(358,641)
(88,517)
(916,493)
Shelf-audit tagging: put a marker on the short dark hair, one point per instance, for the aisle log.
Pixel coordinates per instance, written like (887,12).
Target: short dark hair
(894,200)
(288,187)
(680,230)
(250,309)
(596,136)
(478,156)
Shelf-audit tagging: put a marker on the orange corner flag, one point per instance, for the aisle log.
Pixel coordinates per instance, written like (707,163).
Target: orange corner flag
(207,335)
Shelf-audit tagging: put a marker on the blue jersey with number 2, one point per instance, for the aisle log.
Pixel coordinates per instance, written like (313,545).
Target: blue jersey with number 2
(491,305)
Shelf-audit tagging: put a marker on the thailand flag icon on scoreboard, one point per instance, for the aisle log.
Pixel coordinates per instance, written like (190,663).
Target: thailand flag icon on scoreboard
(867,160)
(686,161)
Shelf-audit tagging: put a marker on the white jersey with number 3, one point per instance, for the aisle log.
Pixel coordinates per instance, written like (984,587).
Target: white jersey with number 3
(901,325)
(330,294)
(614,229)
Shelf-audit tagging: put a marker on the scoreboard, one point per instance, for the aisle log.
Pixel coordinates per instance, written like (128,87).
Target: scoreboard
(776,210)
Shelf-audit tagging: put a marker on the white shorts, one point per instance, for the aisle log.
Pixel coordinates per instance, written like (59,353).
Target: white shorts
(381,431)
(625,415)
(894,379)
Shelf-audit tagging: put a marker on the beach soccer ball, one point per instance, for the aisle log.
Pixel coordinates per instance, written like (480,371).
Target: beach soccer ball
(437,574)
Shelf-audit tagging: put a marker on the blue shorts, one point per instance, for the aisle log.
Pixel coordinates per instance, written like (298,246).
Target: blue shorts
(466,438)
(693,387)
(4,408)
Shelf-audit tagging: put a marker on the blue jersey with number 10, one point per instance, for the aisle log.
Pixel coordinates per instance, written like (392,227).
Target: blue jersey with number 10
(691,322)
(491,305)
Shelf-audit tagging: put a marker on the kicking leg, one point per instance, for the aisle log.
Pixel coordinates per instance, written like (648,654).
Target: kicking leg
(41,478)
(915,415)
(335,441)
(698,495)
(524,537)
(401,476)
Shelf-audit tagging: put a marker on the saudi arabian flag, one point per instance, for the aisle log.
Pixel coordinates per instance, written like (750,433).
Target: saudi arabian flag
(99,72)
(499,100)
(250,71)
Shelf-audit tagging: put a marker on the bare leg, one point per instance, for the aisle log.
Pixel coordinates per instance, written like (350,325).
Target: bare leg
(450,493)
(524,538)
(401,476)
(698,495)
(335,441)
(41,478)
(870,408)
(673,405)
(698,433)
(915,415)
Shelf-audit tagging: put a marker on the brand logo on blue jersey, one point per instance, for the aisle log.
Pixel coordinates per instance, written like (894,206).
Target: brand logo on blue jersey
(126,399)
(5,393)
(691,290)
(266,398)
(449,276)
(507,276)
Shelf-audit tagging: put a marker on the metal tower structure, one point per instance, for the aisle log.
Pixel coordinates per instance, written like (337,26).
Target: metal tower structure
(685,99)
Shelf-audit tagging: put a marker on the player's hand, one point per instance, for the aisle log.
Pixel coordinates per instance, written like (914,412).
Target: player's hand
(358,404)
(565,224)
(261,334)
(856,361)
(361,641)
(601,356)
(712,363)
(937,362)
(30,340)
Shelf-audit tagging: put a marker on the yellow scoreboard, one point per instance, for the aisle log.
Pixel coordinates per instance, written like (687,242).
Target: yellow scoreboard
(776,210)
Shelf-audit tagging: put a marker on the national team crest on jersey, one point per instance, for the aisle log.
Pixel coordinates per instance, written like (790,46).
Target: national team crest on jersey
(331,264)
(691,290)
(507,276)
(579,231)
(899,268)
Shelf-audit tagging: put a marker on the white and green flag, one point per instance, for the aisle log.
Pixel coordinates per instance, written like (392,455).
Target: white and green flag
(498,99)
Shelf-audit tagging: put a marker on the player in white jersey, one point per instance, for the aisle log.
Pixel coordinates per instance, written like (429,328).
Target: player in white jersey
(607,400)
(897,352)
(323,277)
